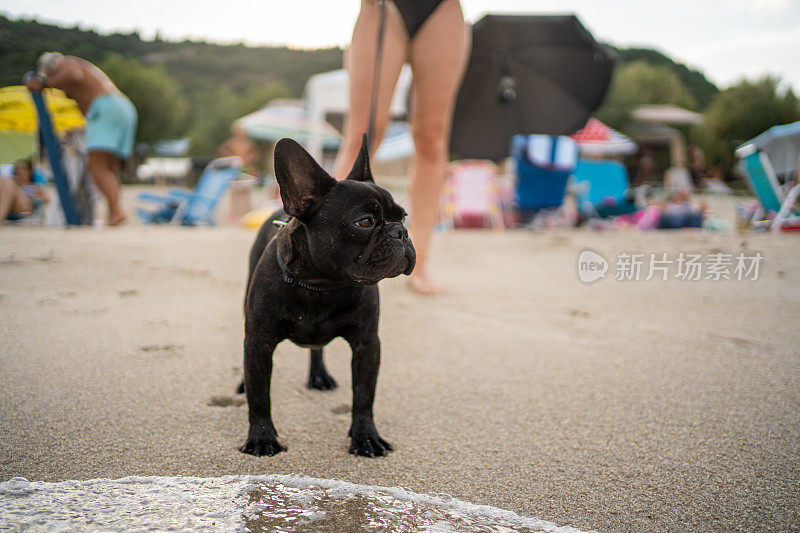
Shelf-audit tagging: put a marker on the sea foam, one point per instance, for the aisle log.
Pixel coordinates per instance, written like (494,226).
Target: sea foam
(241,503)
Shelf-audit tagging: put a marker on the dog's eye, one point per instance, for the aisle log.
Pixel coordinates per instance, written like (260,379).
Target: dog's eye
(365,222)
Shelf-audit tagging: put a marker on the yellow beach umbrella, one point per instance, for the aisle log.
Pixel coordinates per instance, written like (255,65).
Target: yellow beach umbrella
(19,121)
(17,112)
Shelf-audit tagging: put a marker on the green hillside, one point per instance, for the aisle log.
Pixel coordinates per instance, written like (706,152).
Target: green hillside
(702,90)
(194,64)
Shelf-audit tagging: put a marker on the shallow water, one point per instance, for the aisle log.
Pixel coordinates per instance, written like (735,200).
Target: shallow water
(241,503)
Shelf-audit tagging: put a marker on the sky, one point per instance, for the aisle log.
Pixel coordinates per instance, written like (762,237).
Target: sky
(726,39)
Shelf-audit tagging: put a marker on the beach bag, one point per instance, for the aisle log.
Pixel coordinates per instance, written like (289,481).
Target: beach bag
(543,165)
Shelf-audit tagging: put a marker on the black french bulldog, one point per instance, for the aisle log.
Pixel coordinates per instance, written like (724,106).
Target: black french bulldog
(315,278)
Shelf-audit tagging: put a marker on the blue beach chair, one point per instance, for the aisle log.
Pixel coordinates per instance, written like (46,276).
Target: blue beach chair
(602,189)
(764,159)
(192,208)
(764,184)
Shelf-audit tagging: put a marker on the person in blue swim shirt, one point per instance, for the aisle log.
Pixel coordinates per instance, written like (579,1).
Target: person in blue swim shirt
(110,119)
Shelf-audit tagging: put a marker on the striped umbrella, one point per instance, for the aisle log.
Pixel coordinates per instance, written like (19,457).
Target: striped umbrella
(598,140)
(276,122)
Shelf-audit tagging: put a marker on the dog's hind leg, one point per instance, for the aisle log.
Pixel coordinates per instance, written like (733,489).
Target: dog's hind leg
(318,377)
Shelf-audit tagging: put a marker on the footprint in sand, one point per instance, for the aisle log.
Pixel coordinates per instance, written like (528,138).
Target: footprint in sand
(10,260)
(578,312)
(83,312)
(341,409)
(160,349)
(49,257)
(225,401)
(744,343)
(194,272)
(158,322)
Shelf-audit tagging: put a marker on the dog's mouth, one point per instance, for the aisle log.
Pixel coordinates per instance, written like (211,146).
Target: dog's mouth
(393,265)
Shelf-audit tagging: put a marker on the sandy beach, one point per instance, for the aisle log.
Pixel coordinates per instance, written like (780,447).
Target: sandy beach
(617,406)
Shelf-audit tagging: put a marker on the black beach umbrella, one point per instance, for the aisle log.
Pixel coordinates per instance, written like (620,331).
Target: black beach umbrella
(527,74)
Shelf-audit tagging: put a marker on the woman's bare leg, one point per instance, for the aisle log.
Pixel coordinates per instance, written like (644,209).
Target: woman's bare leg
(438,54)
(103,168)
(13,199)
(360,62)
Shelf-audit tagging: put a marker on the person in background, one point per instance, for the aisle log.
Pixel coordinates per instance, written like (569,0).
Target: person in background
(240,145)
(21,193)
(714,180)
(646,167)
(110,120)
(697,165)
(432,37)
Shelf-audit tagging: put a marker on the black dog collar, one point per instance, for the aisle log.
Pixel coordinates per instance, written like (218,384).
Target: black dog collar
(294,281)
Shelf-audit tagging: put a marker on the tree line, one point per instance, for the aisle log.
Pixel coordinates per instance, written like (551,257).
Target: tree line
(187,88)
(731,116)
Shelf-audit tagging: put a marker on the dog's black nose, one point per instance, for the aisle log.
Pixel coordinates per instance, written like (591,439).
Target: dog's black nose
(398,231)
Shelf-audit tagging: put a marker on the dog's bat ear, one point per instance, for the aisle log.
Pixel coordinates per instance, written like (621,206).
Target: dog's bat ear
(302,181)
(361,170)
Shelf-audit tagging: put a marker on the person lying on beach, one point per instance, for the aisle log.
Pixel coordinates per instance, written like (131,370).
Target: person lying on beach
(110,119)
(21,193)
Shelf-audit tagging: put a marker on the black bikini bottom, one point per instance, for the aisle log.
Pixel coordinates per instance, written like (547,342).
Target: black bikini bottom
(415,13)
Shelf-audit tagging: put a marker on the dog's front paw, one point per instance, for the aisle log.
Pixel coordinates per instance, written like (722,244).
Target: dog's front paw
(369,444)
(321,381)
(260,444)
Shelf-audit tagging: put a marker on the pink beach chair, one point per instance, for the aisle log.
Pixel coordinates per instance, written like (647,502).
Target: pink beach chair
(471,196)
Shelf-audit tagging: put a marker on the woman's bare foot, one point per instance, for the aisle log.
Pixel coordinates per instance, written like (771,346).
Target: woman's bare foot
(422,284)
(117,219)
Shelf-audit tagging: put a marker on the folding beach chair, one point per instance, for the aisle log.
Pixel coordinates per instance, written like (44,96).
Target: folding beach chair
(601,189)
(543,165)
(764,184)
(471,197)
(197,207)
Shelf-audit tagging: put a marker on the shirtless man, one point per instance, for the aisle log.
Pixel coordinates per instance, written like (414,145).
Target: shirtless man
(110,119)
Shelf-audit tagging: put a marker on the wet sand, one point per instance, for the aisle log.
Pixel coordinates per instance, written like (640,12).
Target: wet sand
(616,406)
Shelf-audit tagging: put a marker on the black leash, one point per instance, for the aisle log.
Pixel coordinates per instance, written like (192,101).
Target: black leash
(376,73)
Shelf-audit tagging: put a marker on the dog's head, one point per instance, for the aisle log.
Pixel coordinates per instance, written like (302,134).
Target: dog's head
(354,229)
